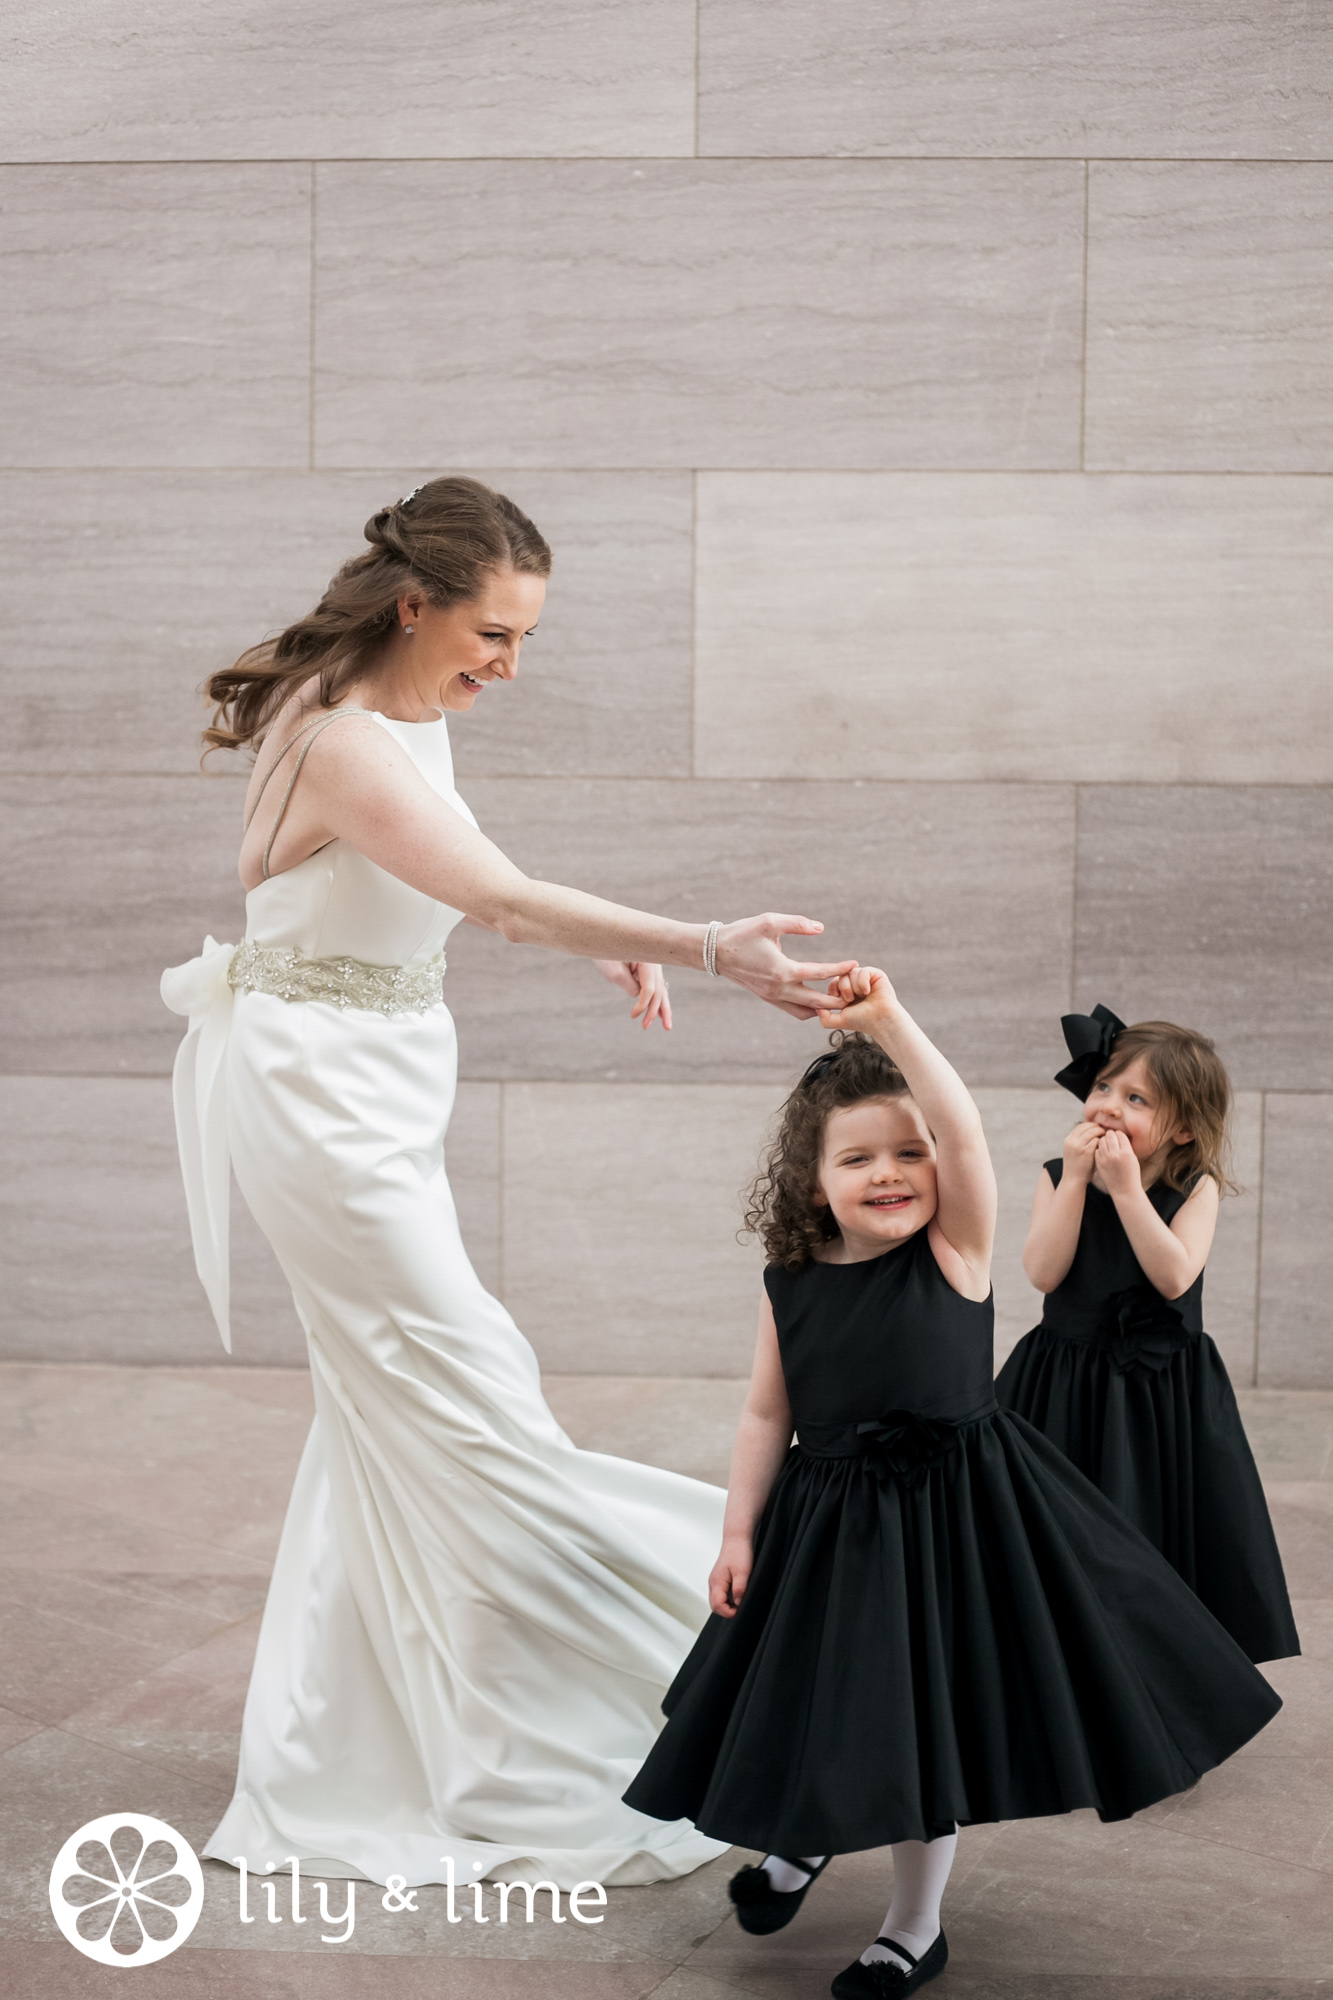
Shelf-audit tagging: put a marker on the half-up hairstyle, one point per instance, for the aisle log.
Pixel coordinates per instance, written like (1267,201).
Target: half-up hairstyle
(1195,1092)
(783,1208)
(443,540)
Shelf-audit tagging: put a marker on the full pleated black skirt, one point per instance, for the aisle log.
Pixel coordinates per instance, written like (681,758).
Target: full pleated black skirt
(995,1642)
(1167,1447)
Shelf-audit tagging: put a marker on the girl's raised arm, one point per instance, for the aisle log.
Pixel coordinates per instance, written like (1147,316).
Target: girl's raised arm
(864,1000)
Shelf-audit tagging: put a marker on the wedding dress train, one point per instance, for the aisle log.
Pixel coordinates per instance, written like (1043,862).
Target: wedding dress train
(471,1623)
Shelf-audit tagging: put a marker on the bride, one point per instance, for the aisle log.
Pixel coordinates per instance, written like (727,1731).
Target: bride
(470,1623)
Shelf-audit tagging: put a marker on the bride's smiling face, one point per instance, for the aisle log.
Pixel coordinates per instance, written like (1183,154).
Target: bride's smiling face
(451,655)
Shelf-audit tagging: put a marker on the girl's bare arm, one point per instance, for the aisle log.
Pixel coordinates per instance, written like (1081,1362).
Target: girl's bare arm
(763,1437)
(1173,1257)
(1057,1212)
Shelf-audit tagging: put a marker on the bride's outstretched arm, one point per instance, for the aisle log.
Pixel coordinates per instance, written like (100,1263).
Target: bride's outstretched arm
(362,787)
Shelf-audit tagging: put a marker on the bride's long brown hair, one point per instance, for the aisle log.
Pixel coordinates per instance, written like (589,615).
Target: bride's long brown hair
(443,540)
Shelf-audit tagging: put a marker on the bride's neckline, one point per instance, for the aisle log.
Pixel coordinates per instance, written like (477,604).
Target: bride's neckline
(399,722)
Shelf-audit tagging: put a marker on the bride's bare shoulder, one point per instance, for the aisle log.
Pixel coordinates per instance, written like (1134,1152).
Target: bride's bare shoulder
(305,776)
(294,741)
(295,723)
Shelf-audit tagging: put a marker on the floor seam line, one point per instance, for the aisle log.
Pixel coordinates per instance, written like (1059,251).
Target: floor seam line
(149,1763)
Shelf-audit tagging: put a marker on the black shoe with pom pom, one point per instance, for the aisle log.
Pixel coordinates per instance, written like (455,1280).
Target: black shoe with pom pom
(760,1908)
(887,1979)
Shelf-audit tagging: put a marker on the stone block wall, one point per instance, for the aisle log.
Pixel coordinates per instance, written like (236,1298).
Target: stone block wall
(932,414)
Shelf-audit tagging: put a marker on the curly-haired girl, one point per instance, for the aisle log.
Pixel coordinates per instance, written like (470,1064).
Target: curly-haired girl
(923,1614)
(1120,1373)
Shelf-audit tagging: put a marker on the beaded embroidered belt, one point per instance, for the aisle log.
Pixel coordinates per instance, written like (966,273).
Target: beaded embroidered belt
(341,982)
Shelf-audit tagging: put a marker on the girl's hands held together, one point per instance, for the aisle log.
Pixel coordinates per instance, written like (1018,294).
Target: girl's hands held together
(1118,1165)
(1057,1213)
(645,984)
(730,1575)
(1080,1152)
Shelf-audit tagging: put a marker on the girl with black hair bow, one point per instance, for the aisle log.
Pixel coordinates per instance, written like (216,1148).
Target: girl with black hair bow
(1120,1373)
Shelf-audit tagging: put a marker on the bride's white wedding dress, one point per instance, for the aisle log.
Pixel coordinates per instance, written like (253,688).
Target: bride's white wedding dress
(471,1623)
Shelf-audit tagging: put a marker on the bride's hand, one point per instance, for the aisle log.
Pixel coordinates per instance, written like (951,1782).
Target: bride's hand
(750,953)
(644,983)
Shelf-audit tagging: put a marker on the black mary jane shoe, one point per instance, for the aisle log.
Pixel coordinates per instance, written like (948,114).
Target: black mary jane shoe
(886,1980)
(760,1908)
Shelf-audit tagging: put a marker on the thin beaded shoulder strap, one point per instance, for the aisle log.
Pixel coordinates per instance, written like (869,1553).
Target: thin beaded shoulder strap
(310,730)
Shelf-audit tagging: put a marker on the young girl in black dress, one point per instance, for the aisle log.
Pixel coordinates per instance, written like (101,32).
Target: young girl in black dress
(922,1612)
(1120,1373)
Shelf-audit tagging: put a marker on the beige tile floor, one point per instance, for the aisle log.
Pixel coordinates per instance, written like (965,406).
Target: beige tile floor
(141,1511)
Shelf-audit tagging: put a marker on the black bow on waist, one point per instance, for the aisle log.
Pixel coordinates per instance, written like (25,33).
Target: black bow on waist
(1089,1038)
(904,1445)
(1140,1330)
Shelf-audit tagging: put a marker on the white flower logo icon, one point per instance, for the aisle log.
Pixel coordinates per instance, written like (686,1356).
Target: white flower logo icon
(126,1889)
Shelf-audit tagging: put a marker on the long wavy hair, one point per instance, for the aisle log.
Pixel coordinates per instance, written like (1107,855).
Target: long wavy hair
(1195,1091)
(783,1208)
(443,540)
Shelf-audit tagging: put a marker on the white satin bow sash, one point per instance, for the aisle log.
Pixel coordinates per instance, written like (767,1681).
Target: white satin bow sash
(199,1093)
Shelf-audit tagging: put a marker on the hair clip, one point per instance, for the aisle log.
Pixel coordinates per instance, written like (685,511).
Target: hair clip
(409,498)
(819,1067)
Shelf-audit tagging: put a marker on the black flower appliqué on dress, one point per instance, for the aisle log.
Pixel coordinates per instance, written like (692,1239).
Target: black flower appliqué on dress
(1140,1330)
(905,1446)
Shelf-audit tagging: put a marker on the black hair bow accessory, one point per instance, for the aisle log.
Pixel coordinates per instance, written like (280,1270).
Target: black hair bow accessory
(819,1067)
(905,1446)
(1089,1038)
(1141,1331)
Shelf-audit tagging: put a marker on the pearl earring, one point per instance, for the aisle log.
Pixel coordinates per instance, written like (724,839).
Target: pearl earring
(409,630)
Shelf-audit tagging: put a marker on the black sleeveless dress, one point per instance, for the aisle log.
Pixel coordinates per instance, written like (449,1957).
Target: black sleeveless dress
(945,1622)
(1132,1389)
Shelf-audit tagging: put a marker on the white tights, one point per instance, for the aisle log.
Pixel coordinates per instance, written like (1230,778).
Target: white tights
(786,1879)
(920,1872)
(920,1875)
